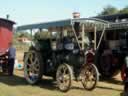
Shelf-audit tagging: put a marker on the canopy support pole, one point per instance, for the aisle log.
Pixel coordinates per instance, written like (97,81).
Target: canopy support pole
(101,37)
(83,35)
(31,36)
(76,37)
(95,41)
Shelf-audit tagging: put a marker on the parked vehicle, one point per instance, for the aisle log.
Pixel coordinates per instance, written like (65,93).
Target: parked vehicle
(113,48)
(64,52)
(6,33)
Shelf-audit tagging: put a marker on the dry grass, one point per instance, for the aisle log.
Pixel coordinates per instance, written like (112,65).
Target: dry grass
(17,86)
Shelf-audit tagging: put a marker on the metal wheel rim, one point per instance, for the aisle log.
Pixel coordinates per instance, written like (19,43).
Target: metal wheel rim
(32,68)
(63,78)
(89,77)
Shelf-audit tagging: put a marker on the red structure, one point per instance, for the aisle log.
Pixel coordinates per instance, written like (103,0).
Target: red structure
(6,28)
(6,34)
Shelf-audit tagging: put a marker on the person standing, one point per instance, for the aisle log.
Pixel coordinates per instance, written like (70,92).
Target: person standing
(11,58)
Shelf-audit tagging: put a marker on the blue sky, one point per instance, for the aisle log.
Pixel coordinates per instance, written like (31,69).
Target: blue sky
(34,11)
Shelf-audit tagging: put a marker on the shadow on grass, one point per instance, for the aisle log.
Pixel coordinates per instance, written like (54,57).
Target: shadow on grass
(12,80)
(16,80)
(99,87)
(121,94)
(48,84)
(108,88)
(112,81)
(51,85)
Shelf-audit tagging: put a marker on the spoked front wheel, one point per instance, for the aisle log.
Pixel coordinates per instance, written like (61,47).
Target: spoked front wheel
(89,76)
(32,67)
(64,77)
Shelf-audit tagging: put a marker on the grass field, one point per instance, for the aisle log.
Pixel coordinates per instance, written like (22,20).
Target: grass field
(17,86)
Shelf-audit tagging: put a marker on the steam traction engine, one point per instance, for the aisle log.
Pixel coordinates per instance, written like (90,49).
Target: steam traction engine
(63,51)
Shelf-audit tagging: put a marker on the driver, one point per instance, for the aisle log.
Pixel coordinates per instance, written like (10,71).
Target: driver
(68,44)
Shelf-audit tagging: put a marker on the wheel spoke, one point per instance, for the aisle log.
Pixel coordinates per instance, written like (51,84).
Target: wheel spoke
(90,77)
(63,77)
(36,65)
(35,62)
(64,70)
(28,64)
(29,70)
(88,83)
(32,68)
(31,58)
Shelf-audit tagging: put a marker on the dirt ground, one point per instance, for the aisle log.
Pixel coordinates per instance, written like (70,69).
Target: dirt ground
(17,86)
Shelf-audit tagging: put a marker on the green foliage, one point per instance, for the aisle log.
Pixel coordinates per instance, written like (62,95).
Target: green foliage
(22,34)
(42,35)
(17,35)
(109,10)
(124,10)
(36,36)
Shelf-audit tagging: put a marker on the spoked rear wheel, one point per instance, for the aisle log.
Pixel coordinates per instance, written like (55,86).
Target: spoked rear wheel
(32,67)
(89,76)
(64,77)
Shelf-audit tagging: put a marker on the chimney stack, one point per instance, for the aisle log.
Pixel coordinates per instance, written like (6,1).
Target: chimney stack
(76,15)
(7,16)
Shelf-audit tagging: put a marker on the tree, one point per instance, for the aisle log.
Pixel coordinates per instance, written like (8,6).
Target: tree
(124,10)
(109,10)
(42,35)
(23,34)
